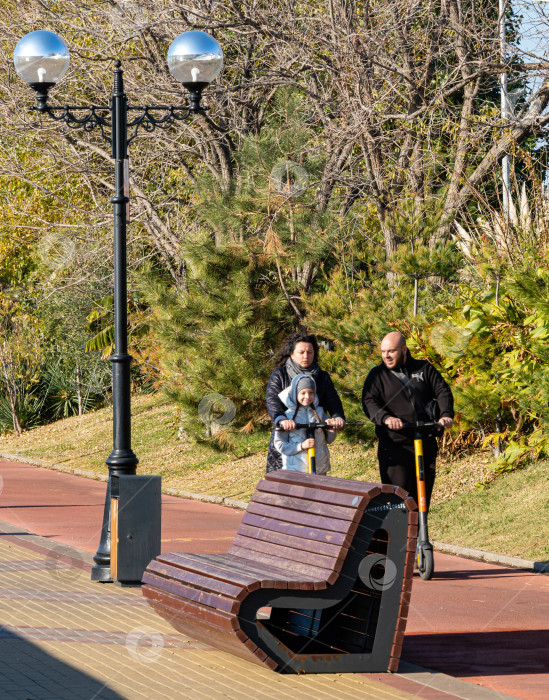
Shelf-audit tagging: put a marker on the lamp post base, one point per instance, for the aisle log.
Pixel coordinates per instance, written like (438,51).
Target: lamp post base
(102,573)
(120,462)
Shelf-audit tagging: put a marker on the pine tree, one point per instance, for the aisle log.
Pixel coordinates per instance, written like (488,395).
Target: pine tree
(216,335)
(252,255)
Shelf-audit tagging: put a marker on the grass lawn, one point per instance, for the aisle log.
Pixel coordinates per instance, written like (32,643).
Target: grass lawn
(509,515)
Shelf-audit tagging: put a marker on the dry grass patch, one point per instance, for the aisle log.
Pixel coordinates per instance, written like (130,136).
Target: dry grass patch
(509,516)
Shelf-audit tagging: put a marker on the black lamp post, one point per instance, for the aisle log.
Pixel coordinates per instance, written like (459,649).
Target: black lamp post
(41,58)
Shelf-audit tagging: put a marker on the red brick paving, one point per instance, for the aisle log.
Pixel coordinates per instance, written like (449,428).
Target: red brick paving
(69,509)
(483,623)
(479,622)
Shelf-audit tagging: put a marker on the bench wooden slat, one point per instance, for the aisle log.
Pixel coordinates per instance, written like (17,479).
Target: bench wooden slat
(189,593)
(183,606)
(306,491)
(296,567)
(231,641)
(268,574)
(265,534)
(306,556)
(324,510)
(330,483)
(300,518)
(163,603)
(216,572)
(263,575)
(191,578)
(313,535)
(260,654)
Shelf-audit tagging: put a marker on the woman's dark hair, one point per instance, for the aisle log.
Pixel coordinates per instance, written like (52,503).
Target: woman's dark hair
(288,346)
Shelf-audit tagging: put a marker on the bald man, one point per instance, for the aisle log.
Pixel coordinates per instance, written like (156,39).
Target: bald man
(397,392)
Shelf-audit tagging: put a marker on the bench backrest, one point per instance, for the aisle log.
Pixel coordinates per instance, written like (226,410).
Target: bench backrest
(302,522)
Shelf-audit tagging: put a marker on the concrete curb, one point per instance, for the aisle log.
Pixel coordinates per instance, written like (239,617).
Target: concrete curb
(465,552)
(220,500)
(204,497)
(502,559)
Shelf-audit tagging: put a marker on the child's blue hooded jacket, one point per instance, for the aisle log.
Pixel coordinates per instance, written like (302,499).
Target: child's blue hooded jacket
(288,443)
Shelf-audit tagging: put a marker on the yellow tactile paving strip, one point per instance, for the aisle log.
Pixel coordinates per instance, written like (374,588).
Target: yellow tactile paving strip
(63,636)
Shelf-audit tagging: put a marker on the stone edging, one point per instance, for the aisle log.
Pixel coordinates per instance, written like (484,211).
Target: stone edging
(206,498)
(502,559)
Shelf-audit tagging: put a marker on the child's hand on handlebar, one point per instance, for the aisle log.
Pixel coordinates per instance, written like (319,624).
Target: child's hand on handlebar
(287,424)
(308,444)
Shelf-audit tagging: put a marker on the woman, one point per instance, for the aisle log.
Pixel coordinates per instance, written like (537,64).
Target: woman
(298,355)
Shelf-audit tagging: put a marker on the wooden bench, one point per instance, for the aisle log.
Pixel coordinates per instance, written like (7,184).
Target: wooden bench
(317,580)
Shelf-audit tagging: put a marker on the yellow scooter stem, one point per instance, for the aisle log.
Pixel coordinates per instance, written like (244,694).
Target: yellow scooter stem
(311,460)
(420,474)
(311,452)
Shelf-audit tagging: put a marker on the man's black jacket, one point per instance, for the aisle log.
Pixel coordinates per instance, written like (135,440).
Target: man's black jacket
(385,395)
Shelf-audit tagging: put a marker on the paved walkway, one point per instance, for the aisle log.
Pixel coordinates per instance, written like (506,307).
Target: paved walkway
(481,629)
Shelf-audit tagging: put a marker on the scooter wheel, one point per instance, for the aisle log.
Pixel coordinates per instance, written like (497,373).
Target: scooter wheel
(426,564)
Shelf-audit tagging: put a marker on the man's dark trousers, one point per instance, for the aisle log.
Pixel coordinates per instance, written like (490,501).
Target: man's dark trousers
(397,466)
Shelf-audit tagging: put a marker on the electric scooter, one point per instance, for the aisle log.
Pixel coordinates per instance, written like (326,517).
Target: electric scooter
(424,552)
(425,558)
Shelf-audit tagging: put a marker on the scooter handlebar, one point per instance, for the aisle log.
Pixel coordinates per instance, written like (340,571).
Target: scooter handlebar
(420,426)
(310,426)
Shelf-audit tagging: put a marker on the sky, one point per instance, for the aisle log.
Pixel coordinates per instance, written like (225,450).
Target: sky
(533,30)
(534,43)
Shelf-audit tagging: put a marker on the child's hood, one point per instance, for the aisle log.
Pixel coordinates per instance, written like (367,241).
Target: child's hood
(288,396)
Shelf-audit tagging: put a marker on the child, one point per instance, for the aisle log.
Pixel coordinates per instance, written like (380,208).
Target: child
(302,402)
